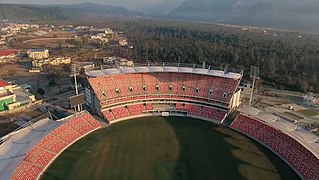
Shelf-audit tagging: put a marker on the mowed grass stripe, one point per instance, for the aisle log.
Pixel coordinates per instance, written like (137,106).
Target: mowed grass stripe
(154,148)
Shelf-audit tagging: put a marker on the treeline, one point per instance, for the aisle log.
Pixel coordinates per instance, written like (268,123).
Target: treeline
(28,13)
(286,59)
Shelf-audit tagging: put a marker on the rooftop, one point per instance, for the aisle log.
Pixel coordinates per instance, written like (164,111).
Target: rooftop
(37,50)
(8,52)
(205,70)
(17,144)
(102,29)
(3,83)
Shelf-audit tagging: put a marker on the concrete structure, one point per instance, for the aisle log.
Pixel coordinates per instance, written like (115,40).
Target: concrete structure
(245,86)
(104,34)
(117,61)
(38,53)
(13,96)
(125,63)
(102,30)
(6,95)
(123,42)
(102,37)
(51,61)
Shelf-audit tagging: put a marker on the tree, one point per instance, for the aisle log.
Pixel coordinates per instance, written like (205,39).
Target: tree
(52,82)
(271,67)
(40,91)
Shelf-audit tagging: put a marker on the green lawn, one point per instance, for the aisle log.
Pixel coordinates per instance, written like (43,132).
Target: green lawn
(157,148)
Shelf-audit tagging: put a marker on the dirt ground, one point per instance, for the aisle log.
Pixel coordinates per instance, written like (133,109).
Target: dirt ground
(47,42)
(7,127)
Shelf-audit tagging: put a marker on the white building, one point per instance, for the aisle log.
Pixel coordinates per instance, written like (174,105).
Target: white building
(38,53)
(51,61)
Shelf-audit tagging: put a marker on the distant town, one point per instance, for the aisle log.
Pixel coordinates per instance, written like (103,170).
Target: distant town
(34,58)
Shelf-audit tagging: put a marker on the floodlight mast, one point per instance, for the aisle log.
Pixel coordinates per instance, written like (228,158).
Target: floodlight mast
(254,73)
(74,74)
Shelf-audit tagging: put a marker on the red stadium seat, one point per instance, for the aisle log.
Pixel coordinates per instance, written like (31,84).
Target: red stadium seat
(287,147)
(39,157)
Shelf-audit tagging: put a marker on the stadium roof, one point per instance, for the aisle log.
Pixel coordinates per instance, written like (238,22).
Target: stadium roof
(146,69)
(17,144)
(3,83)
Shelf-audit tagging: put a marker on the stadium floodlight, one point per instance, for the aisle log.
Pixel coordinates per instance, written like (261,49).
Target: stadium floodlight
(74,73)
(254,73)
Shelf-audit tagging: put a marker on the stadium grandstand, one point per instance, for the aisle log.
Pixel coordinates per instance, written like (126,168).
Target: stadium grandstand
(28,151)
(297,146)
(125,92)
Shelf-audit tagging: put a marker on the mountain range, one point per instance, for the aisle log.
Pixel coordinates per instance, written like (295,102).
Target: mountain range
(287,14)
(40,13)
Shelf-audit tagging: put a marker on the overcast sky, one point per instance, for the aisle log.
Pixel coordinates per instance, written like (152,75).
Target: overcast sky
(131,4)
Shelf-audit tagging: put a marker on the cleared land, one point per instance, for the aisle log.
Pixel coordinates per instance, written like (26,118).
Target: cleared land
(168,148)
(308,112)
(48,42)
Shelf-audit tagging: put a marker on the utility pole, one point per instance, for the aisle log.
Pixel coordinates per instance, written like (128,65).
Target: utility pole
(254,73)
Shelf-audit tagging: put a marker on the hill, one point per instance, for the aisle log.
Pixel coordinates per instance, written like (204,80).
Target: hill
(38,13)
(292,14)
(21,13)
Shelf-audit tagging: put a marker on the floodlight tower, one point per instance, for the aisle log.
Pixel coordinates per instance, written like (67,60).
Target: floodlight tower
(254,73)
(74,73)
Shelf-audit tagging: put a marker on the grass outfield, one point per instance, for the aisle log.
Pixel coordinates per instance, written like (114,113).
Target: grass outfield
(170,148)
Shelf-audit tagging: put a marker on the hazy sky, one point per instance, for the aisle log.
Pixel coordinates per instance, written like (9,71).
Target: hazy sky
(131,4)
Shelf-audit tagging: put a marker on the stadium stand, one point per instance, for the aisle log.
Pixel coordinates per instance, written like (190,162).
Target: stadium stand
(298,156)
(123,91)
(41,151)
(116,113)
(136,109)
(109,115)
(149,106)
(181,84)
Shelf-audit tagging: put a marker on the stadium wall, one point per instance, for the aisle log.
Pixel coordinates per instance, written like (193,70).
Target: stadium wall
(159,114)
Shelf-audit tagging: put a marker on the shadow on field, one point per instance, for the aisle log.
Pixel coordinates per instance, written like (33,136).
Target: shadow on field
(210,151)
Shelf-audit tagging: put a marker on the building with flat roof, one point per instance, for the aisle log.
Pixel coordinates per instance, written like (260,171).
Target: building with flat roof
(6,95)
(101,30)
(51,61)
(38,53)
(13,96)
(8,54)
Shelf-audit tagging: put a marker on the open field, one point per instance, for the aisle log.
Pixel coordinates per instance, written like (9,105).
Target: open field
(48,42)
(167,148)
